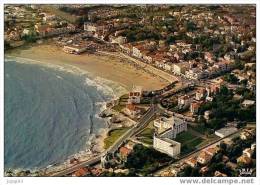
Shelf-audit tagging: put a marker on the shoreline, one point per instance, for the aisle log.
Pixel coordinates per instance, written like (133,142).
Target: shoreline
(96,143)
(99,65)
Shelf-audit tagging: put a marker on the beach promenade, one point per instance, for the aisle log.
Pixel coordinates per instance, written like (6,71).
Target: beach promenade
(149,68)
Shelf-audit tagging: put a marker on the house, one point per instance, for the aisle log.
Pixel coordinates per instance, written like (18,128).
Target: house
(208,56)
(212,89)
(194,106)
(204,158)
(168,66)
(167,146)
(226,131)
(119,40)
(147,56)
(184,101)
(49,17)
(180,68)
(207,114)
(247,134)
(90,27)
(42,30)
(253,146)
(126,48)
(81,172)
(244,160)
(200,94)
(248,152)
(124,152)
(222,66)
(136,51)
(131,110)
(135,95)
(195,74)
(96,171)
(248,103)
(219,174)
(192,162)
(211,151)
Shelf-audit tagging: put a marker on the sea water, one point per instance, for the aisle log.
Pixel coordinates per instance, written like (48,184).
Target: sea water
(49,114)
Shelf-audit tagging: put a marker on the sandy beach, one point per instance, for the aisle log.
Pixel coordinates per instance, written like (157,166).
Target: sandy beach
(104,66)
(99,65)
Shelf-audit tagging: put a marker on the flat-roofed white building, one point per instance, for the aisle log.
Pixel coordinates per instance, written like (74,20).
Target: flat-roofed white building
(167,146)
(163,123)
(137,52)
(75,49)
(90,27)
(180,68)
(172,126)
(223,132)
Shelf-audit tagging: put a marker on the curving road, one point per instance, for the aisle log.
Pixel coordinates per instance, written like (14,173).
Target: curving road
(144,120)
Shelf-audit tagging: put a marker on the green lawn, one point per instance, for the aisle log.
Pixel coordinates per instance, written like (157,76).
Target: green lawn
(195,142)
(200,129)
(147,132)
(191,146)
(184,137)
(118,107)
(113,136)
(146,140)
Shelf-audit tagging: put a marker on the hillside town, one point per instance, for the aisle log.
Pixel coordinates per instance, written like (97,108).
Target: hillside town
(203,123)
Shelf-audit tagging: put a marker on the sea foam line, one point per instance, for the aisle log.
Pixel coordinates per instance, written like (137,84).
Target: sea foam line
(106,86)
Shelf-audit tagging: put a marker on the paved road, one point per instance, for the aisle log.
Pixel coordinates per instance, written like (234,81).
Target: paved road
(140,125)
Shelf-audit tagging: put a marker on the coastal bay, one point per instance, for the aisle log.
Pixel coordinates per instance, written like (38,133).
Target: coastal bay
(104,66)
(109,69)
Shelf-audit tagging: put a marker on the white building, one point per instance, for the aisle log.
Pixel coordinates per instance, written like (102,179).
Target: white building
(248,152)
(173,126)
(180,68)
(49,17)
(184,101)
(248,103)
(195,74)
(167,146)
(163,123)
(90,27)
(223,132)
(135,95)
(75,49)
(200,94)
(119,40)
(137,52)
